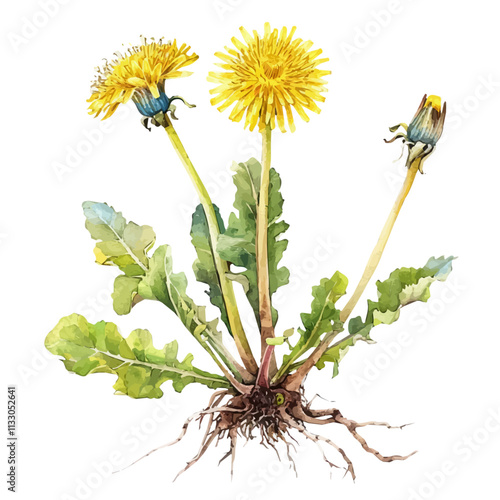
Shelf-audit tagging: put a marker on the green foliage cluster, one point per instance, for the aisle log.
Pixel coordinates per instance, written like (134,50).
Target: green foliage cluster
(141,369)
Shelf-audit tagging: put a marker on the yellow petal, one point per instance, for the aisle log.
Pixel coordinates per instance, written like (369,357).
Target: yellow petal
(434,101)
(271,74)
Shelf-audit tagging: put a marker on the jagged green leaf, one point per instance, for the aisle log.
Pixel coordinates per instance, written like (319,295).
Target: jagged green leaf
(323,318)
(204,267)
(124,293)
(149,278)
(140,367)
(237,244)
(162,284)
(403,287)
(122,244)
(358,330)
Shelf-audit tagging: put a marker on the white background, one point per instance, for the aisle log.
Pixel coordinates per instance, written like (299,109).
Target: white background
(339,182)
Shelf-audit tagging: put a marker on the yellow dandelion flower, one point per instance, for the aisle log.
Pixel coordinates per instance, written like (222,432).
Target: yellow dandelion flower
(267,76)
(140,75)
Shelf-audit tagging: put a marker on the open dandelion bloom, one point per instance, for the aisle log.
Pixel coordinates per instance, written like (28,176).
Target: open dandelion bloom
(267,76)
(140,75)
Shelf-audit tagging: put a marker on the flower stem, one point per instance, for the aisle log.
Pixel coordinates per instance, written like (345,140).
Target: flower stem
(265,311)
(220,264)
(377,252)
(294,380)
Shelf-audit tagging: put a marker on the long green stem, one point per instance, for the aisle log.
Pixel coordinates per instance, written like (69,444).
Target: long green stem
(223,369)
(265,311)
(220,264)
(377,252)
(295,379)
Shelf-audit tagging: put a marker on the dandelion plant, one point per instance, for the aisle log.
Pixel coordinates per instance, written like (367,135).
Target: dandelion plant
(264,80)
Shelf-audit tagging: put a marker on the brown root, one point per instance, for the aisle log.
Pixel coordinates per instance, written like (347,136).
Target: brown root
(203,448)
(216,398)
(316,438)
(352,426)
(272,413)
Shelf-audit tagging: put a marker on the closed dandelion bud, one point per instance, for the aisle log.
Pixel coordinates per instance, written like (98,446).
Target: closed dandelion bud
(424,130)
